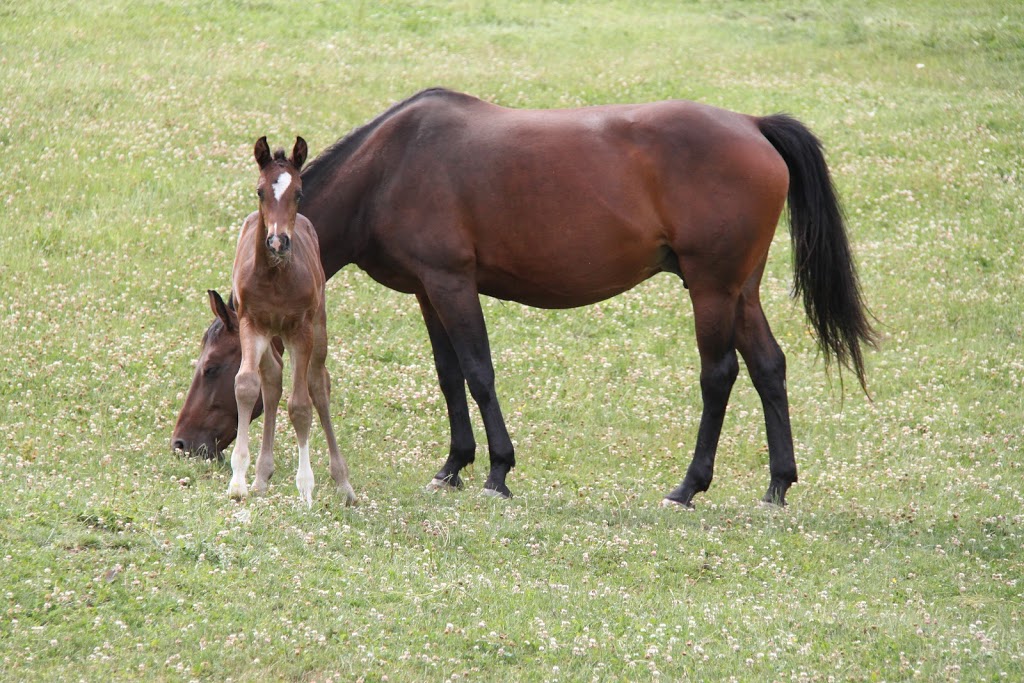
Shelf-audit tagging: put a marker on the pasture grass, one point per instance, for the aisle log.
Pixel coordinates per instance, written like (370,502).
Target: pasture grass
(126,132)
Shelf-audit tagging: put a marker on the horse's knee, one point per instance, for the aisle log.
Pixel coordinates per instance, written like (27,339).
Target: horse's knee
(247,387)
(300,408)
(481,387)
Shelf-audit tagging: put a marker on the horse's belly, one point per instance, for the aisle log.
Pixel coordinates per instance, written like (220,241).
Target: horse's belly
(566,287)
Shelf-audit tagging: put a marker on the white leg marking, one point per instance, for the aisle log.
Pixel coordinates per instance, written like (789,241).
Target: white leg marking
(237,489)
(304,477)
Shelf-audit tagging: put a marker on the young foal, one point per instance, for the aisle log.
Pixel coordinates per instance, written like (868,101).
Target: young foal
(278,290)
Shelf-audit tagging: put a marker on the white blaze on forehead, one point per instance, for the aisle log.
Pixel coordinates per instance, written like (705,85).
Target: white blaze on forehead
(281,184)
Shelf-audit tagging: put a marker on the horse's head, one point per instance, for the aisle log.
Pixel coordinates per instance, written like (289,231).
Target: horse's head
(279,191)
(208,421)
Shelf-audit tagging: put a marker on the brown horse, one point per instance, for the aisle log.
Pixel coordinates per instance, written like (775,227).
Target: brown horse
(448,197)
(277,286)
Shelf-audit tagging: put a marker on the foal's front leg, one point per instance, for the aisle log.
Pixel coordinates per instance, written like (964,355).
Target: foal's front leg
(247,390)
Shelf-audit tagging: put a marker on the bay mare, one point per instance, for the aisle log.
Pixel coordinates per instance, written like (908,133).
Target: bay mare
(447,197)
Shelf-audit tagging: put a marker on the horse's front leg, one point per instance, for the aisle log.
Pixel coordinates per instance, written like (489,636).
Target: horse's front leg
(455,299)
(270,376)
(462,447)
(300,410)
(247,390)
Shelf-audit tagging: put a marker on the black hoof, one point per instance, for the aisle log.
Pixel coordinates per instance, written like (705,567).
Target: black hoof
(442,482)
(502,493)
(495,484)
(682,495)
(496,489)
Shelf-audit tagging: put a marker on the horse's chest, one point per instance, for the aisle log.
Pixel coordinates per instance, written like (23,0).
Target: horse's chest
(279,312)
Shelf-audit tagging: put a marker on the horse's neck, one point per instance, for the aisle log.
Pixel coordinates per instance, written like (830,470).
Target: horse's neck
(339,214)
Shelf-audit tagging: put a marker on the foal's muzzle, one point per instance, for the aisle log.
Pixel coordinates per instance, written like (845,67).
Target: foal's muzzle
(279,244)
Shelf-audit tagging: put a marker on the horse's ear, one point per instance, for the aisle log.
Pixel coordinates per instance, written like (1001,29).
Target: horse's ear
(221,310)
(299,153)
(262,152)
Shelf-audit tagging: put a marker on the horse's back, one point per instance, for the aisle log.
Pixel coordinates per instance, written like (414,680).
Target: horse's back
(565,207)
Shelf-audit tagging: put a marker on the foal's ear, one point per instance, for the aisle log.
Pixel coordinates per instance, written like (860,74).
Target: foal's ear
(220,309)
(299,153)
(262,152)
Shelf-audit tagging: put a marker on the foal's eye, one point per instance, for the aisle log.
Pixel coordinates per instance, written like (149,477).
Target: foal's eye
(298,195)
(259,192)
(211,371)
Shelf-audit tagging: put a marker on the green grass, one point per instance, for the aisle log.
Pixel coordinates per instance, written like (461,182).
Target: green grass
(126,132)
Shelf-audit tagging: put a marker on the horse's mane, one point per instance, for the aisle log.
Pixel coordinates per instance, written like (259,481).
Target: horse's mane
(317,170)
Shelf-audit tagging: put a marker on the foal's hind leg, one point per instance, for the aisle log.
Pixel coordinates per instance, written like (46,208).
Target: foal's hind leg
(462,447)
(767,366)
(320,392)
(300,411)
(715,317)
(270,375)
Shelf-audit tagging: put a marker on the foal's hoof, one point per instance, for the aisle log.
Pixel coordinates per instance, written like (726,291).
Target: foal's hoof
(237,490)
(678,505)
(347,494)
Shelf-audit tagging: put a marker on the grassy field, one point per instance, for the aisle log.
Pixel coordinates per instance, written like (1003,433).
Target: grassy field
(126,131)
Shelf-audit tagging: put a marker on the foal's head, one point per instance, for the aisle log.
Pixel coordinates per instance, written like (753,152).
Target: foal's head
(279,190)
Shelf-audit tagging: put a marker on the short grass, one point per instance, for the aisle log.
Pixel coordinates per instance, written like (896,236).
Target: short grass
(126,133)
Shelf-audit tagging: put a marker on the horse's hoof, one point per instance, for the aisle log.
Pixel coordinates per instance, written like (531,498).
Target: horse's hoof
(493,493)
(443,485)
(237,491)
(772,504)
(678,505)
(346,492)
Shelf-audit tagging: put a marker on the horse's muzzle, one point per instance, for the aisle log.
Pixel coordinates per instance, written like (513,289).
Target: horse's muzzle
(279,244)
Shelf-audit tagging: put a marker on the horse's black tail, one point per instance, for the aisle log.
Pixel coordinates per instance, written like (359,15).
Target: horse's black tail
(825,274)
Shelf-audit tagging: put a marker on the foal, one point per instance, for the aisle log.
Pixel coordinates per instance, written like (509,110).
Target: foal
(278,289)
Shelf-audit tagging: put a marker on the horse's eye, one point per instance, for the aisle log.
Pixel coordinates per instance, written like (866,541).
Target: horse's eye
(211,371)
(259,192)
(298,195)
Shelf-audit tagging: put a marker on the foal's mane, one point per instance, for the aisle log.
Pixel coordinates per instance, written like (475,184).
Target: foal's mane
(318,170)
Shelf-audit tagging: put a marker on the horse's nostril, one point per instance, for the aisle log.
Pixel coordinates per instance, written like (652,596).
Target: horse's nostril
(177,445)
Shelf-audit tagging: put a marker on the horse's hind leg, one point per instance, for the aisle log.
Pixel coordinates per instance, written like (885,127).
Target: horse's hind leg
(462,447)
(270,375)
(320,393)
(767,366)
(300,411)
(715,317)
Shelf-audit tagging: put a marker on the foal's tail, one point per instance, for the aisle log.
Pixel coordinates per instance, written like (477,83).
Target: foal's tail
(826,276)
